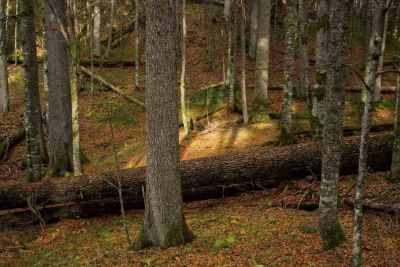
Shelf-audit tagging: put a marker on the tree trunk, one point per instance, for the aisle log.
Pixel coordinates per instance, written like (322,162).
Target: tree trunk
(253,29)
(395,168)
(33,113)
(372,69)
(330,228)
(259,167)
(289,73)
(138,13)
(164,223)
(243,63)
(304,84)
(384,29)
(60,106)
(321,69)
(16,31)
(262,57)
(96,29)
(184,111)
(4,92)
(112,7)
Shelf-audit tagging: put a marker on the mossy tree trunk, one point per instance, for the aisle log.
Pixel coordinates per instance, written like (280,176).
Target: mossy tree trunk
(330,228)
(60,106)
(164,223)
(395,169)
(303,90)
(253,29)
(4,92)
(33,114)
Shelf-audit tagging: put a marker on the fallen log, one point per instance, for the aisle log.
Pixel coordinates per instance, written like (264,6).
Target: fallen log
(110,86)
(9,142)
(262,167)
(376,206)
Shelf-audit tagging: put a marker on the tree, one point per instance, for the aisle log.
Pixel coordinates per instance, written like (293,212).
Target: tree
(164,223)
(96,29)
(289,72)
(371,75)
(4,92)
(262,52)
(329,225)
(395,167)
(321,69)
(243,61)
(33,113)
(253,29)
(304,84)
(60,106)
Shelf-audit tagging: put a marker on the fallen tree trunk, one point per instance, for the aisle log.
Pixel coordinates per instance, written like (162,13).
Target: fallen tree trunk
(263,167)
(376,206)
(8,143)
(110,86)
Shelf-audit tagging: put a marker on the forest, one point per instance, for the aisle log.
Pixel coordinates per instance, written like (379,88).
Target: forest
(199,133)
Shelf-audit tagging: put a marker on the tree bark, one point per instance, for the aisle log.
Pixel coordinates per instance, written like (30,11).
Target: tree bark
(303,90)
(262,57)
(260,167)
(318,93)
(330,228)
(289,72)
(245,113)
(33,113)
(253,29)
(182,85)
(395,168)
(60,106)
(96,29)
(4,91)
(164,222)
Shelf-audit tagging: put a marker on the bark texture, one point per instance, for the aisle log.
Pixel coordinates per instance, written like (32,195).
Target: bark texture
(4,92)
(263,167)
(164,223)
(304,82)
(33,113)
(60,107)
(263,47)
(395,168)
(330,229)
(253,29)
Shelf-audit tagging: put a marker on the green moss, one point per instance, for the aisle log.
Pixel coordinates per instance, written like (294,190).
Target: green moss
(334,238)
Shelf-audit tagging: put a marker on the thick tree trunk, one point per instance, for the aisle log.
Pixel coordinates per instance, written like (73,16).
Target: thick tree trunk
(33,113)
(330,228)
(60,107)
(4,92)
(264,166)
(263,47)
(164,222)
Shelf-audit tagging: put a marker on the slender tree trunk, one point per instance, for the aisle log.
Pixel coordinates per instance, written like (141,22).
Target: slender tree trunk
(372,69)
(378,88)
(16,31)
(321,69)
(33,114)
(164,223)
(138,12)
(304,86)
(330,228)
(262,57)
(289,73)
(184,111)
(74,52)
(243,63)
(60,106)
(253,29)
(91,43)
(4,91)
(231,22)
(110,33)
(395,169)
(96,29)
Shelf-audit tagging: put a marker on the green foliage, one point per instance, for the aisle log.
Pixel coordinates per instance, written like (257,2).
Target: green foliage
(392,179)
(224,243)
(388,103)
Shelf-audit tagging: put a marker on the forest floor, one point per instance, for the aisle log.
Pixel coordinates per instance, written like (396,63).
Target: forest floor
(253,229)
(247,230)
